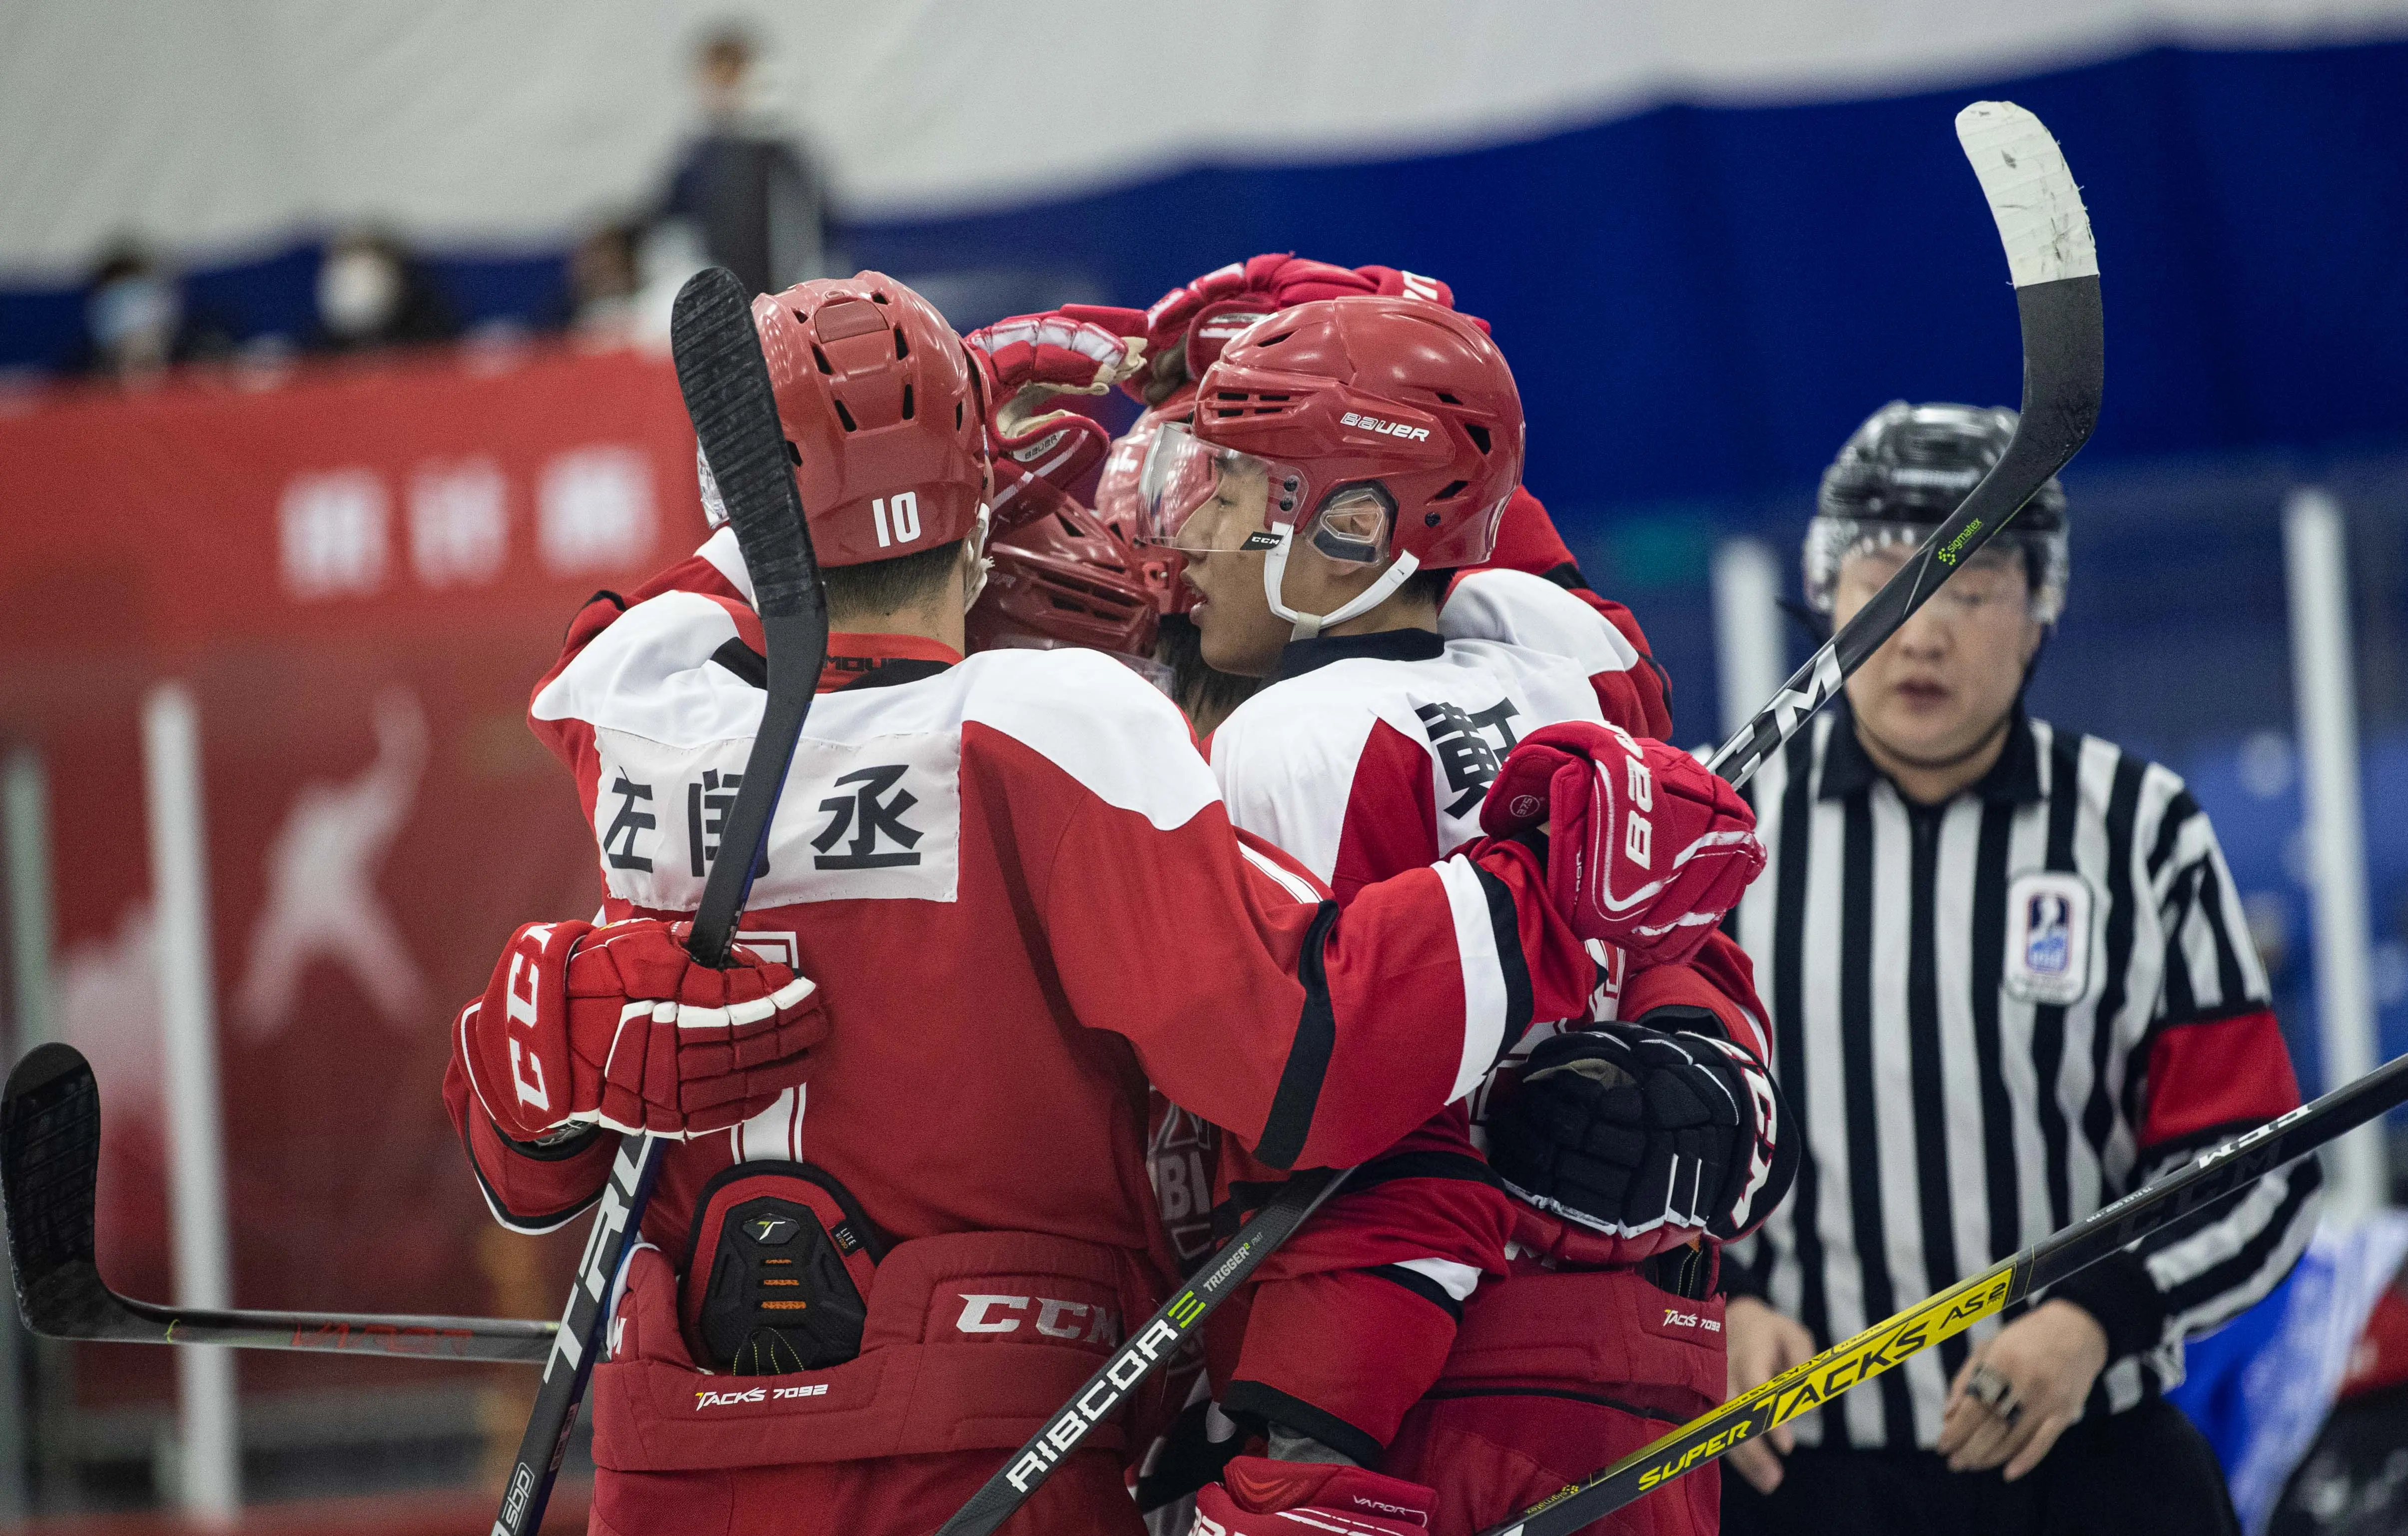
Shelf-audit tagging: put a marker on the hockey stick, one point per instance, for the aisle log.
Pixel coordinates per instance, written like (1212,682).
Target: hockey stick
(49,1165)
(2211,1176)
(2054,266)
(1148,1349)
(725,381)
(2055,272)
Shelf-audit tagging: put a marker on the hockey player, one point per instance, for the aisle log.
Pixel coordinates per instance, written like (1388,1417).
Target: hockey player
(1345,456)
(1019,895)
(1185,333)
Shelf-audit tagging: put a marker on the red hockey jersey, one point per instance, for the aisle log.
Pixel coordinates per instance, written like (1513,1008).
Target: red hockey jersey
(1014,881)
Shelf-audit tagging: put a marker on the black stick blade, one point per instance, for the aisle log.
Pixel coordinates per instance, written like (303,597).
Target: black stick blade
(49,1165)
(724,377)
(726,380)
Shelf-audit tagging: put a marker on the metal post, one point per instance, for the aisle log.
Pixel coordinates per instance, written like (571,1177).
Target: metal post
(211,1480)
(1749,659)
(25,831)
(2316,543)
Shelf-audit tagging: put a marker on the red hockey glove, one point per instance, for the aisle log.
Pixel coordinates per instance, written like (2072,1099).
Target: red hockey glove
(1080,349)
(1647,849)
(1647,1132)
(1259,1497)
(1201,318)
(619,1027)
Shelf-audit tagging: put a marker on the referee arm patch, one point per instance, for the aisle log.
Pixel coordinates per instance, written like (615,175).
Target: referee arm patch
(2216,1071)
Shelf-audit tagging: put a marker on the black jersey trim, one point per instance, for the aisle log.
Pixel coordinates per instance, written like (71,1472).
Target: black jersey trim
(750,667)
(1421,1286)
(1302,656)
(1430,1164)
(1505,927)
(1308,1059)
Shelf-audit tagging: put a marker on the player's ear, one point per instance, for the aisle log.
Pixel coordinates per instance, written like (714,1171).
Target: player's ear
(974,561)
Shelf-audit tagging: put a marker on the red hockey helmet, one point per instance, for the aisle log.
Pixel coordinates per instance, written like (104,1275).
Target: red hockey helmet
(884,416)
(1386,429)
(1064,575)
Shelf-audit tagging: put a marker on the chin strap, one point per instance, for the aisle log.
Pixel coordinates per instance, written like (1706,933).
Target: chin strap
(1307,625)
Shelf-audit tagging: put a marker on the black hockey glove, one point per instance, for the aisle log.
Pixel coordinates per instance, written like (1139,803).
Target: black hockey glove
(1628,1129)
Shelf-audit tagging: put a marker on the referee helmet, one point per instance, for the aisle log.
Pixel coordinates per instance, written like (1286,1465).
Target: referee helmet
(1903,472)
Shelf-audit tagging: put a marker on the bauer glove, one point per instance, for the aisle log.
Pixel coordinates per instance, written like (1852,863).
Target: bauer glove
(1647,849)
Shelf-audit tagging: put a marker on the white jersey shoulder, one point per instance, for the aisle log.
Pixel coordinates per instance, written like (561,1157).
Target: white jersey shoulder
(1287,758)
(871,807)
(1521,610)
(727,558)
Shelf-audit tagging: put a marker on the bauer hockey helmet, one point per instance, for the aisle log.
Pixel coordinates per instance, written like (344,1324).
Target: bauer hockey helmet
(1064,575)
(1387,430)
(1186,331)
(884,416)
(1903,472)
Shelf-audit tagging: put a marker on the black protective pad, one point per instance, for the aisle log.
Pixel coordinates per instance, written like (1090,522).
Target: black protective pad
(779,1299)
(779,1296)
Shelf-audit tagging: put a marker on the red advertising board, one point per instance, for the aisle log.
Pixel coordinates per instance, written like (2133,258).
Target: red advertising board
(359,572)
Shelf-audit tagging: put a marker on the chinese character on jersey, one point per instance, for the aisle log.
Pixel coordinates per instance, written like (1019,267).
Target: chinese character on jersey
(870,813)
(707,804)
(1465,753)
(619,842)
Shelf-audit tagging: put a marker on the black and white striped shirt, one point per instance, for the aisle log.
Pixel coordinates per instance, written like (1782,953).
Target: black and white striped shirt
(1994,1016)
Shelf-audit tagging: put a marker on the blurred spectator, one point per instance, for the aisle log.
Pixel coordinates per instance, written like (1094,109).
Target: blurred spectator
(603,282)
(372,292)
(135,321)
(748,186)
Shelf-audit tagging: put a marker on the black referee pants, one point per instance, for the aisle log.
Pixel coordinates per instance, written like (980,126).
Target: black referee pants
(2134,1473)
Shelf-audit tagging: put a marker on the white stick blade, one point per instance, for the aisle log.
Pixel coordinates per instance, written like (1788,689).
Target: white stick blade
(2030,192)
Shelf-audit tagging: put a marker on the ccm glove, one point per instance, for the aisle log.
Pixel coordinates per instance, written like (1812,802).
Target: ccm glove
(1259,1497)
(1647,850)
(1646,1132)
(619,1027)
(1080,349)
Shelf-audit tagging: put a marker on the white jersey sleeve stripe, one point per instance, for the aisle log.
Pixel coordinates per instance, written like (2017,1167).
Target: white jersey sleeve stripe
(1484,993)
(1288,881)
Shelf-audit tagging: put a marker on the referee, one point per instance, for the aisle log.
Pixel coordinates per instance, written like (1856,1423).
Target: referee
(2008,983)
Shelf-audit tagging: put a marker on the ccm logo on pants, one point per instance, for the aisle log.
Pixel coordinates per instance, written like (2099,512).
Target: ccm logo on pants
(1080,1321)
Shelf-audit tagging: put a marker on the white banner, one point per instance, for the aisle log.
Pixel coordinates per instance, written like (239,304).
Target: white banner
(212,126)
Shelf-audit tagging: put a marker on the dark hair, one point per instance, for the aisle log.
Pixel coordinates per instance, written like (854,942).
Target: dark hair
(1200,690)
(882,586)
(1428,586)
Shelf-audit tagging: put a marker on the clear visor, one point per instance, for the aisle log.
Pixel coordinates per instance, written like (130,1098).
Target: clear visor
(2036,560)
(1199,499)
